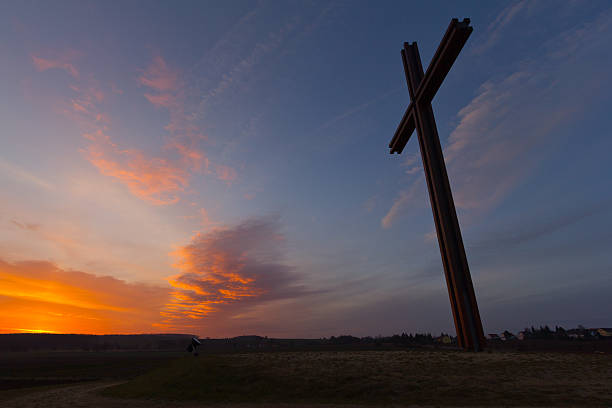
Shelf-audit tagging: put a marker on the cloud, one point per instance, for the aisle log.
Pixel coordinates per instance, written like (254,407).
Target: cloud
(225,173)
(355,109)
(153,179)
(191,157)
(185,134)
(229,63)
(161,100)
(21,175)
(503,131)
(39,296)
(498,25)
(229,271)
(25,225)
(403,202)
(159,76)
(156,179)
(43,64)
(545,224)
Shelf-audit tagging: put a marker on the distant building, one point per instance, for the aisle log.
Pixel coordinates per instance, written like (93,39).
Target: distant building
(521,336)
(443,339)
(493,337)
(605,331)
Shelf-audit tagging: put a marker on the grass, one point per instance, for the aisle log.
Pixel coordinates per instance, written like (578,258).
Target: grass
(381,377)
(22,372)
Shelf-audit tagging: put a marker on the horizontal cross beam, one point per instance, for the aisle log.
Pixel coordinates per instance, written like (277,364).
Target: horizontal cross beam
(453,41)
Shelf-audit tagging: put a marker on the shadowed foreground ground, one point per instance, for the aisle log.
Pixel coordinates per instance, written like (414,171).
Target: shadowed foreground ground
(302,379)
(382,377)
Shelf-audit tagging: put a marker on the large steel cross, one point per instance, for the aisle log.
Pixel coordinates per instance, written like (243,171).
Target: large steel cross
(419,115)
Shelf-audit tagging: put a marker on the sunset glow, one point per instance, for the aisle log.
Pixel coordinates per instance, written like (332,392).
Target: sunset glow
(222,169)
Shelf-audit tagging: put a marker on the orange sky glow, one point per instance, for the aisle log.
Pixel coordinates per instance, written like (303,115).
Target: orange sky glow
(224,171)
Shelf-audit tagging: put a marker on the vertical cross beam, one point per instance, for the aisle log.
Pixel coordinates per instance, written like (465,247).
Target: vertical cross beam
(460,289)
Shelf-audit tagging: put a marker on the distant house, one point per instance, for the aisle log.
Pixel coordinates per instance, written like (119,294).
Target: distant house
(493,337)
(507,336)
(521,336)
(445,339)
(605,331)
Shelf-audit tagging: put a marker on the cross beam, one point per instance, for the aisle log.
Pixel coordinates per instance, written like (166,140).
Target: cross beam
(419,116)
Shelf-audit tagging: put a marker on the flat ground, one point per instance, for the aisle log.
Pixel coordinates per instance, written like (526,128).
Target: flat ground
(300,379)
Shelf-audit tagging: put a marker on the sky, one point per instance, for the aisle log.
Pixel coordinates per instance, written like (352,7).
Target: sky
(221,168)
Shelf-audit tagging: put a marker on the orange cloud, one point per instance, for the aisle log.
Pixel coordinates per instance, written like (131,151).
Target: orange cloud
(43,64)
(228,270)
(152,179)
(157,179)
(37,296)
(159,77)
(191,156)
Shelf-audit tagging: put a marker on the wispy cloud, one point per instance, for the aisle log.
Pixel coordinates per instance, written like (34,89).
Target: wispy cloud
(226,173)
(355,109)
(540,226)
(159,76)
(25,225)
(404,200)
(231,61)
(157,179)
(61,62)
(153,179)
(170,92)
(17,173)
(502,131)
(498,25)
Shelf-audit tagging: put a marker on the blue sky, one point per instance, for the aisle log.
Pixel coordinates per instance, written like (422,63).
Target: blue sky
(229,163)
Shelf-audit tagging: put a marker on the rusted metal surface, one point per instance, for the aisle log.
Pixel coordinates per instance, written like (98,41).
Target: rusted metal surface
(453,41)
(419,115)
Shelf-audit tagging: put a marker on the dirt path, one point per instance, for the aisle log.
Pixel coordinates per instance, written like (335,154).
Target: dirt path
(85,395)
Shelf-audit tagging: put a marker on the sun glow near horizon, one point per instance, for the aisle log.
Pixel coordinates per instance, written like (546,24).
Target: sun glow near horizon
(231,175)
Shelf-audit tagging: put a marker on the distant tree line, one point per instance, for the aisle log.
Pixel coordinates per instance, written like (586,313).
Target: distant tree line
(179,342)
(396,339)
(559,333)
(86,342)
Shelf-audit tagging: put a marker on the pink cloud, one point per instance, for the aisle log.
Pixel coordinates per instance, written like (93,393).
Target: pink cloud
(43,64)
(162,100)
(153,179)
(78,107)
(159,179)
(191,157)
(403,201)
(159,77)
(225,173)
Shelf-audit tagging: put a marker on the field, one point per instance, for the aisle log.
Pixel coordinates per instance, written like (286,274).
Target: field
(23,372)
(397,378)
